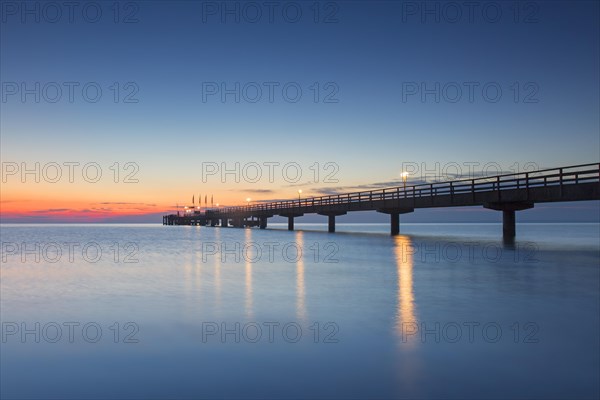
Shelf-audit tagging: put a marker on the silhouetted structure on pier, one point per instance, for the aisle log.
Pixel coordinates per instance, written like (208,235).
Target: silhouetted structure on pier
(507,193)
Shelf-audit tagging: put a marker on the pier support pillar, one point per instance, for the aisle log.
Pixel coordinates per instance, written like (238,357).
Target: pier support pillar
(263,223)
(395,223)
(331,219)
(508,224)
(290,217)
(395,217)
(331,227)
(509,228)
(224,222)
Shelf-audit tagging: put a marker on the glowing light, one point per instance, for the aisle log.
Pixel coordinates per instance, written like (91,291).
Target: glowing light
(404,176)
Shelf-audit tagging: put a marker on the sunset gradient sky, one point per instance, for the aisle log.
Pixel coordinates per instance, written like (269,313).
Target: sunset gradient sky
(366,58)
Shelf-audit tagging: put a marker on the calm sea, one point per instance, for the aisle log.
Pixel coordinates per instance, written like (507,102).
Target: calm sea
(443,311)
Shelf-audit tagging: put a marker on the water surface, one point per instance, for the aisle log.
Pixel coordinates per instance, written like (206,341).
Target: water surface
(444,311)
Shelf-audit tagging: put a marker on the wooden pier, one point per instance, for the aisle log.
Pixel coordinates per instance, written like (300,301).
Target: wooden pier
(507,193)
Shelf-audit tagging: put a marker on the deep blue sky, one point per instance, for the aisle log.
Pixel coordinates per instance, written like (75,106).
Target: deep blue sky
(370,52)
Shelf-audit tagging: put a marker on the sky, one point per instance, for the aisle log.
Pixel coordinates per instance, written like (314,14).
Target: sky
(123,111)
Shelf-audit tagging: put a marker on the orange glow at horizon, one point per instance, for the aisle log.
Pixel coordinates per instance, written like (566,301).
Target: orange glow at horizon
(153,190)
(91,202)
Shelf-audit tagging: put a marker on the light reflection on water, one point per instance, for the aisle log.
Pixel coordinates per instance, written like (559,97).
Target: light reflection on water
(217,274)
(248,259)
(300,289)
(406,306)
(371,288)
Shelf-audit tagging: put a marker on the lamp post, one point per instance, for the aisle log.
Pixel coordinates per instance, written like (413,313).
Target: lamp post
(248,201)
(299,193)
(404,175)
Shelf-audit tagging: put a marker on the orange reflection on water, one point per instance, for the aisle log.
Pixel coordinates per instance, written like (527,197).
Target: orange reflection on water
(406,313)
(410,363)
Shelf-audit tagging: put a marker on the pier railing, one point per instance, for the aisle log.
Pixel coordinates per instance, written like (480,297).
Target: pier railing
(584,173)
